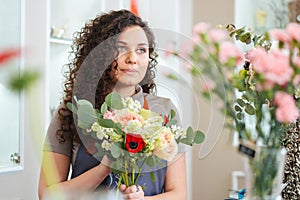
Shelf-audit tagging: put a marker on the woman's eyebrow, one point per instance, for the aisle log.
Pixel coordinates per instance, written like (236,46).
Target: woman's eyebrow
(139,44)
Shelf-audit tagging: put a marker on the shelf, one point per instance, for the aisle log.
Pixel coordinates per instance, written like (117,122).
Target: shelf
(62,41)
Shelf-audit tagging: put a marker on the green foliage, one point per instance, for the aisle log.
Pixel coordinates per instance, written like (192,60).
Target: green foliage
(247,37)
(116,149)
(23,81)
(86,114)
(193,137)
(114,101)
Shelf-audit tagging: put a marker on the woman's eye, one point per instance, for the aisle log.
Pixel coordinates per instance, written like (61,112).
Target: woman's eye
(121,48)
(141,50)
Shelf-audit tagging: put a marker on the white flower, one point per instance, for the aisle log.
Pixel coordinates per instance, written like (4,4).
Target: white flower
(132,105)
(152,125)
(106,145)
(133,126)
(101,132)
(178,132)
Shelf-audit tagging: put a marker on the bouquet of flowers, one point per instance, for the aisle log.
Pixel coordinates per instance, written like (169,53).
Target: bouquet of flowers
(132,136)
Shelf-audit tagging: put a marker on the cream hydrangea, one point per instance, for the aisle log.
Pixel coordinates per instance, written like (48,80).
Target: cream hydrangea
(101,132)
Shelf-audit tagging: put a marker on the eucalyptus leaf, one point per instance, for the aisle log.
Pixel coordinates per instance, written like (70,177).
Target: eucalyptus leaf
(116,150)
(107,123)
(118,128)
(239,116)
(86,112)
(237,108)
(103,108)
(116,167)
(199,137)
(114,101)
(173,113)
(249,109)
(84,125)
(71,107)
(240,102)
(189,137)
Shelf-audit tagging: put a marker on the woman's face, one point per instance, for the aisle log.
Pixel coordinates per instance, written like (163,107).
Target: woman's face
(133,59)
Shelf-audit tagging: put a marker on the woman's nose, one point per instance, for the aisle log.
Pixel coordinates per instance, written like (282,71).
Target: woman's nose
(131,57)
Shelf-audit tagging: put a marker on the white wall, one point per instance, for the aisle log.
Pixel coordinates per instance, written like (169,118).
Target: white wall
(214,161)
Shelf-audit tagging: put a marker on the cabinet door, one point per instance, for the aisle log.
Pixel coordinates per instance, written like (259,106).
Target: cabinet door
(28,31)
(10,101)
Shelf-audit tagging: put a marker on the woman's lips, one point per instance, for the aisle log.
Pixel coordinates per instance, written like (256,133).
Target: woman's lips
(128,70)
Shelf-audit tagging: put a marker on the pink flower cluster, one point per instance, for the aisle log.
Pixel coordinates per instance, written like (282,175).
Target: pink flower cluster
(273,65)
(287,35)
(230,55)
(216,42)
(286,110)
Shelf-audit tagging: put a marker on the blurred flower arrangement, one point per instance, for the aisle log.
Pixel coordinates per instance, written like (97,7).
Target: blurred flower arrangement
(257,80)
(132,136)
(17,81)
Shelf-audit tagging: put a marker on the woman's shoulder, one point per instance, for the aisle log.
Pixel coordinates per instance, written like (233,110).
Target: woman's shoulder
(151,98)
(160,104)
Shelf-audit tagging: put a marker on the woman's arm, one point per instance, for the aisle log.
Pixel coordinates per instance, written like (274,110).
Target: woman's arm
(54,175)
(175,184)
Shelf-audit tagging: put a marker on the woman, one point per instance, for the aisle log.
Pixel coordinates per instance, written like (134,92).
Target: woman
(113,52)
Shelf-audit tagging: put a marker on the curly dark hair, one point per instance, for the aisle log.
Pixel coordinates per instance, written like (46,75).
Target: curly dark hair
(89,73)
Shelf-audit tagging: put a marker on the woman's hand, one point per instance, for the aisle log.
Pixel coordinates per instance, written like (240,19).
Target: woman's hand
(133,192)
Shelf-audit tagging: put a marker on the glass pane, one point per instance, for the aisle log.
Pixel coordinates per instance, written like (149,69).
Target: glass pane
(10,30)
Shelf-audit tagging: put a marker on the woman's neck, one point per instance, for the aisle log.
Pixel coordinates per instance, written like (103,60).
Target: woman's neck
(125,91)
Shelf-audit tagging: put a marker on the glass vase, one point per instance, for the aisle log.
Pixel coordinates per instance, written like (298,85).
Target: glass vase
(264,174)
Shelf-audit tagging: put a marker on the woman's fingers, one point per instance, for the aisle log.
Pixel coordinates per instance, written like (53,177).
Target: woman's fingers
(122,188)
(132,192)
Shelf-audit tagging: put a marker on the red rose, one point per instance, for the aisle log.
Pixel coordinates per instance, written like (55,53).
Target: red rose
(134,143)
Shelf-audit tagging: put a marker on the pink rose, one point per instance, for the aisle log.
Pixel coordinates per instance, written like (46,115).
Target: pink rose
(229,51)
(166,146)
(286,111)
(124,118)
(293,29)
